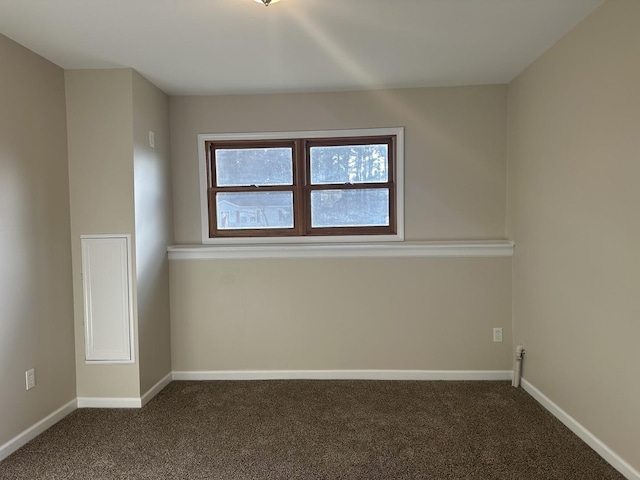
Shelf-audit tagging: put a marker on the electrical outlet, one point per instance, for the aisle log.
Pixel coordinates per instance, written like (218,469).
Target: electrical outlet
(30,378)
(152,139)
(497,334)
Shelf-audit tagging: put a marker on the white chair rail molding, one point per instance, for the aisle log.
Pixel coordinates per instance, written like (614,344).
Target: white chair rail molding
(485,248)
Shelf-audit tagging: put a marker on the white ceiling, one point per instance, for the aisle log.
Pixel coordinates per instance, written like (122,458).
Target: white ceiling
(239,46)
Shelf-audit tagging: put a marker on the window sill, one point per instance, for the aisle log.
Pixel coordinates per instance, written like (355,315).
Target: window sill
(488,248)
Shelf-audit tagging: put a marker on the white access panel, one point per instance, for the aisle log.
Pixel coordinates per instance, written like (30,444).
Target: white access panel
(106,282)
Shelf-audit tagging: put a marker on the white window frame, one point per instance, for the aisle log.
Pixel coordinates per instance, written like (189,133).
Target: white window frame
(204,206)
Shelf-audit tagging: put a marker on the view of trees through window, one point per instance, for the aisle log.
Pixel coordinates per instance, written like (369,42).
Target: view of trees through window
(349,164)
(334,186)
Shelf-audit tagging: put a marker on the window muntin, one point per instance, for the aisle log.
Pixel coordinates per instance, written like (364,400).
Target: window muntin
(359,200)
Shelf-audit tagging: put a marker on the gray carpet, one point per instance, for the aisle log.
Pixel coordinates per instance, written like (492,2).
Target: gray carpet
(314,430)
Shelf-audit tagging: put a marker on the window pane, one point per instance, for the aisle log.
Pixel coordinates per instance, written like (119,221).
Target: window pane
(349,164)
(254,210)
(350,208)
(254,166)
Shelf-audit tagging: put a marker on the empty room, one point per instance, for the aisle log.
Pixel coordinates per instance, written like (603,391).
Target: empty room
(319,239)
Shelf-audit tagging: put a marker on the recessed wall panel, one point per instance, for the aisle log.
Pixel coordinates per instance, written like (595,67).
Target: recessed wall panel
(106,279)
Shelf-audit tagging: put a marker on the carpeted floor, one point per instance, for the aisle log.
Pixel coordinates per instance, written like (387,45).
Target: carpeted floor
(314,430)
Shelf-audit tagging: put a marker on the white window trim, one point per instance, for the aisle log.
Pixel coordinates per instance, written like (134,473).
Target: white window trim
(204,208)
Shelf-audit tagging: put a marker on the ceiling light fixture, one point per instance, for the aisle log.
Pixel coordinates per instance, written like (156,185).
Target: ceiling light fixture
(266,2)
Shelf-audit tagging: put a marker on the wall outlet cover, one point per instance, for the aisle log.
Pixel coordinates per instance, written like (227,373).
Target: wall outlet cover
(497,334)
(30,378)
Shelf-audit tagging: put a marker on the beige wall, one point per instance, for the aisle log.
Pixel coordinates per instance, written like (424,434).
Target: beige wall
(426,313)
(455,147)
(100,137)
(573,120)
(154,229)
(119,184)
(36,309)
(574,123)
(316,314)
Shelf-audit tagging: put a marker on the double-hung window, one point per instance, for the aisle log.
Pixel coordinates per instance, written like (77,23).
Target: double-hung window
(316,186)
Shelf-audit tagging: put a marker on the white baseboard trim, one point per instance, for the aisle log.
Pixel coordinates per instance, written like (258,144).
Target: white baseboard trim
(109,402)
(156,389)
(32,432)
(585,435)
(345,375)
(126,402)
